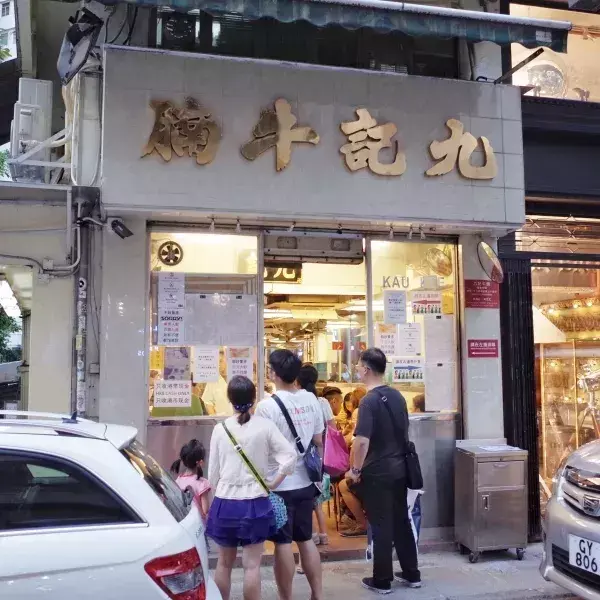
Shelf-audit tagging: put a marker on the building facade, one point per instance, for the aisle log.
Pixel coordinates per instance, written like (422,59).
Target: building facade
(8,29)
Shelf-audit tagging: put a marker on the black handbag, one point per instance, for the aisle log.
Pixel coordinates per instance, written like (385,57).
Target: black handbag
(311,458)
(414,476)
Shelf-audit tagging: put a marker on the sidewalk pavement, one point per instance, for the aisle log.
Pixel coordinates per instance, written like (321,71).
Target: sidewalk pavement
(446,576)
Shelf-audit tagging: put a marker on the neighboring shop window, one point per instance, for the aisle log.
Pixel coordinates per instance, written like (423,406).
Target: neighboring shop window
(566,333)
(574,75)
(204,320)
(414,298)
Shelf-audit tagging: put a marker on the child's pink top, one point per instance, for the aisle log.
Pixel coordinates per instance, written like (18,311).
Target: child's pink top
(200,486)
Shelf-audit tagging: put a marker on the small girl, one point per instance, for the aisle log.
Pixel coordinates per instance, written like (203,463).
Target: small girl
(192,456)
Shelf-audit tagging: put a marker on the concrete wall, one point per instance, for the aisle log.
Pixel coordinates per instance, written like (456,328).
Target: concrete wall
(38,231)
(316,183)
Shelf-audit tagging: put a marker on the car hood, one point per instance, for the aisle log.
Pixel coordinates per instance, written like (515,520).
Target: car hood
(586,458)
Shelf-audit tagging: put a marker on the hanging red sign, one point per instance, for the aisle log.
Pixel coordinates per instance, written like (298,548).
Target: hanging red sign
(337,345)
(481,293)
(483,348)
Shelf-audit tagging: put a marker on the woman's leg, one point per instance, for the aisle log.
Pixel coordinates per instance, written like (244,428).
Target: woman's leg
(321,524)
(353,504)
(251,557)
(223,572)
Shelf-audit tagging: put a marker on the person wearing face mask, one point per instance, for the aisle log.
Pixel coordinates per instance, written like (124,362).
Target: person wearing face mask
(378,475)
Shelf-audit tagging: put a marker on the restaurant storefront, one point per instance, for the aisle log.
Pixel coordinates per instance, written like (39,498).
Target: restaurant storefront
(312,208)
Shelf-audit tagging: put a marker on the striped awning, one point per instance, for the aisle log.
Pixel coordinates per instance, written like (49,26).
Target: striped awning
(387,16)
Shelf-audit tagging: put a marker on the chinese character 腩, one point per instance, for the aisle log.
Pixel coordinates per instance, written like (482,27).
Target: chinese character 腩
(276,128)
(366,139)
(188,130)
(460,147)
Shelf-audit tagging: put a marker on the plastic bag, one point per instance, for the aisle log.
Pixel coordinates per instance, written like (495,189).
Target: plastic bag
(336,458)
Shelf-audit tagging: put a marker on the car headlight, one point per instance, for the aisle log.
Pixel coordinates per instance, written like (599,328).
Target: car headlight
(585,480)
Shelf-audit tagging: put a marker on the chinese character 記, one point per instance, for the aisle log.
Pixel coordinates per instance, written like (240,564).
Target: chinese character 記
(459,147)
(366,139)
(188,130)
(277,129)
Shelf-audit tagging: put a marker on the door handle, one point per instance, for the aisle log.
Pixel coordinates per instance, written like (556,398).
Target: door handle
(486,502)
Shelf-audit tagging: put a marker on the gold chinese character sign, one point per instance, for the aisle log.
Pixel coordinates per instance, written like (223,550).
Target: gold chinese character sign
(189,130)
(459,147)
(276,128)
(366,139)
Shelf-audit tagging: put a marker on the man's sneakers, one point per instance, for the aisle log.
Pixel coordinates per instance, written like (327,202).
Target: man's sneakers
(378,588)
(386,588)
(411,583)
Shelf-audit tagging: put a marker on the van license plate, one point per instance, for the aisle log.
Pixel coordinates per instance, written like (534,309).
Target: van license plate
(584,554)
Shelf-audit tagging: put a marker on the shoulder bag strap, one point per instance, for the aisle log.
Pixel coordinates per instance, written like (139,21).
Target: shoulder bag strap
(290,423)
(394,422)
(245,458)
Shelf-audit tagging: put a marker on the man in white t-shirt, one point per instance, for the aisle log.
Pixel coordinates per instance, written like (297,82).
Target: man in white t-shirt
(297,490)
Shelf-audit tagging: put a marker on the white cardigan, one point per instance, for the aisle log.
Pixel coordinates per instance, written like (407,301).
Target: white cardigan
(262,443)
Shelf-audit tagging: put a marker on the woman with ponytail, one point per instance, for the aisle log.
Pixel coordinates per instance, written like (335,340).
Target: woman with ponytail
(192,456)
(241,514)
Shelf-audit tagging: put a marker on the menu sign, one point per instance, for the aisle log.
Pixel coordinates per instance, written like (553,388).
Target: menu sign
(483,348)
(482,293)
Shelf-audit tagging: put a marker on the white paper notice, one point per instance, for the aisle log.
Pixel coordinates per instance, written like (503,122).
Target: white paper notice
(439,338)
(206,364)
(172,394)
(386,338)
(171,290)
(170,326)
(240,361)
(409,339)
(394,306)
(408,370)
(221,319)
(440,391)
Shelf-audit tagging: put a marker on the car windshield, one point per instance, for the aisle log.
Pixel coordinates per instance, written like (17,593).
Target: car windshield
(159,480)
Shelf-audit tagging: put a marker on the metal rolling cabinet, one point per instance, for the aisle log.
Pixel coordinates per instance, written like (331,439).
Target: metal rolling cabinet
(490,499)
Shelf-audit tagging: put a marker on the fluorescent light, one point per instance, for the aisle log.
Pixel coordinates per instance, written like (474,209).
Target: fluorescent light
(8,301)
(274,313)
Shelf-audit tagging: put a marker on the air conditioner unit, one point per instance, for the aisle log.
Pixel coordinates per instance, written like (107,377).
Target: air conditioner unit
(32,124)
(300,247)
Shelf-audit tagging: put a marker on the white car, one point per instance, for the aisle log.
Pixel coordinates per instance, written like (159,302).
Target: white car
(86,513)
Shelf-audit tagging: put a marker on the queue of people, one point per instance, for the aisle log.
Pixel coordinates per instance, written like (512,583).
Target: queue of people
(262,488)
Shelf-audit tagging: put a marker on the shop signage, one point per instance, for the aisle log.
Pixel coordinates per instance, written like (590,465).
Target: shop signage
(172,394)
(483,348)
(191,131)
(283,273)
(481,293)
(337,346)
(394,281)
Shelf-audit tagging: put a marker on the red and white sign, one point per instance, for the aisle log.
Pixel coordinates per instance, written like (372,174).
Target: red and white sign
(481,293)
(483,348)
(337,345)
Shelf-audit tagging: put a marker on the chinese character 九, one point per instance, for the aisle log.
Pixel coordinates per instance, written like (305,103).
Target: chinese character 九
(459,148)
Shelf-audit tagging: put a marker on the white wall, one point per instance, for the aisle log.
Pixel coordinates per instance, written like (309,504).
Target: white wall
(51,322)
(316,183)
(483,409)
(123,395)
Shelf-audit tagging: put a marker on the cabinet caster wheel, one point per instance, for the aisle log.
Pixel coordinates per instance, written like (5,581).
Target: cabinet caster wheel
(473,557)
(520,553)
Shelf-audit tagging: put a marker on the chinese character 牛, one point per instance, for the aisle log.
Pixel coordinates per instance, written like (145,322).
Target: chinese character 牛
(276,129)
(188,130)
(460,147)
(366,139)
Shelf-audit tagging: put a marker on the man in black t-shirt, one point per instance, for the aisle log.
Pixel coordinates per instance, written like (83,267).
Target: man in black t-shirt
(378,474)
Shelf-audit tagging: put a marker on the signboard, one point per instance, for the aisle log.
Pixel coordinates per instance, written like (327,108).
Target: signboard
(481,293)
(283,273)
(172,394)
(337,346)
(408,370)
(427,303)
(483,348)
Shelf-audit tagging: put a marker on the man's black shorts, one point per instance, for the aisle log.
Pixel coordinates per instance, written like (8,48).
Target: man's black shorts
(299,504)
